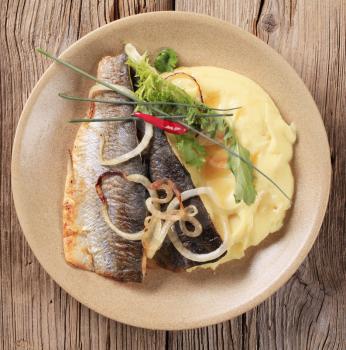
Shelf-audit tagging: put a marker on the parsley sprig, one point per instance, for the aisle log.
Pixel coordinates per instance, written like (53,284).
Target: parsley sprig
(166,60)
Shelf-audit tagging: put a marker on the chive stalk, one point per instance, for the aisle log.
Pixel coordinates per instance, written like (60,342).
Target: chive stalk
(131,95)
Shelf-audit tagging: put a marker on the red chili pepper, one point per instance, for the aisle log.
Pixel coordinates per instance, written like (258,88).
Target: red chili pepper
(163,124)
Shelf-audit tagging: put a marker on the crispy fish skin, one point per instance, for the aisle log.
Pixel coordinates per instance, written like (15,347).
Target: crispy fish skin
(163,163)
(89,243)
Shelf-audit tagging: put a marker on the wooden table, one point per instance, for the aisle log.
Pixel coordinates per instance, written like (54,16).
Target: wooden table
(308,312)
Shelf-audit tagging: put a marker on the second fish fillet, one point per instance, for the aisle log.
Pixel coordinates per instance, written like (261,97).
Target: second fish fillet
(89,242)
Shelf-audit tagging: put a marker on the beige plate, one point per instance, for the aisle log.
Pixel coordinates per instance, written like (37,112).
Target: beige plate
(167,300)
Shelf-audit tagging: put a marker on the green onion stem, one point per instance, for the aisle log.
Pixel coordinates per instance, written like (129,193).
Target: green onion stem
(117,88)
(97,120)
(145,103)
(130,94)
(87,99)
(122,118)
(118,102)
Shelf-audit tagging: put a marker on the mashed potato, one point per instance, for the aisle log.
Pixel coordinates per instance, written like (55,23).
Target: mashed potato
(261,129)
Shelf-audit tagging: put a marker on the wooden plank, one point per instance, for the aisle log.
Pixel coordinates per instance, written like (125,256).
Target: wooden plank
(305,314)
(132,7)
(35,313)
(309,311)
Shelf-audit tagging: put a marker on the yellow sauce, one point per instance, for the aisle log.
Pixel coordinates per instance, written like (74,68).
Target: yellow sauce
(261,129)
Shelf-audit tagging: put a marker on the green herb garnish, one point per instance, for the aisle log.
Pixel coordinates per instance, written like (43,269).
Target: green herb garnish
(243,174)
(116,101)
(191,151)
(166,60)
(152,87)
(228,135)
(242,171)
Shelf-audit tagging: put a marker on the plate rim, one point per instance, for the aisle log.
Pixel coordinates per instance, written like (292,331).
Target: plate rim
(287,273)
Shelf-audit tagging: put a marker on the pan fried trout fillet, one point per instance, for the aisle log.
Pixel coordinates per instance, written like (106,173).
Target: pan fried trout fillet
(165,165)
(89,243)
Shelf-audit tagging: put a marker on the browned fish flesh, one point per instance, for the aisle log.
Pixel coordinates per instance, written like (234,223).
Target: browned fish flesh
(89,243)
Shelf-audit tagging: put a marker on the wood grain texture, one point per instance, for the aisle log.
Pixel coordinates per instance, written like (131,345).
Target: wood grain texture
(35,313)
(307,313)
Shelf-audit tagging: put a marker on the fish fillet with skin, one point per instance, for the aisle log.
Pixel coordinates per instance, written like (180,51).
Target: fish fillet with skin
(163,164)
(89,243)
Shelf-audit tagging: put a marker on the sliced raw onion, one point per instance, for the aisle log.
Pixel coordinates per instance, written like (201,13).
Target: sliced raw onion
(98,89)
(148,133)
(150,223)
(175,239)
(165,228)
(168,197)
(152,241)
(172,214)
(188,194)
(186,82)
(141,179)
(122,90)
(194,256)
(191,210)
(197,227)
(153,238)
(154,235)
(158,236)
(147,221)
(196,192)
(169,187)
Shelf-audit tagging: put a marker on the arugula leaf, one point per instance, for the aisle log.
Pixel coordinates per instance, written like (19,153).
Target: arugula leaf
(243,173)
(166,60)
(192,152)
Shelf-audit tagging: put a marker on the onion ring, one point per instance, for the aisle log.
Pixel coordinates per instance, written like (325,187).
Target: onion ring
(173,215)
(198,229)
(193,256)
(175,75)
(98,89)
(170,188)
(148,133)
(174,238)
(141,179)
(152,239)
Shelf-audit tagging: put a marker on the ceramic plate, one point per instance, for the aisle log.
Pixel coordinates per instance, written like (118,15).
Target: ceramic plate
(168,300)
